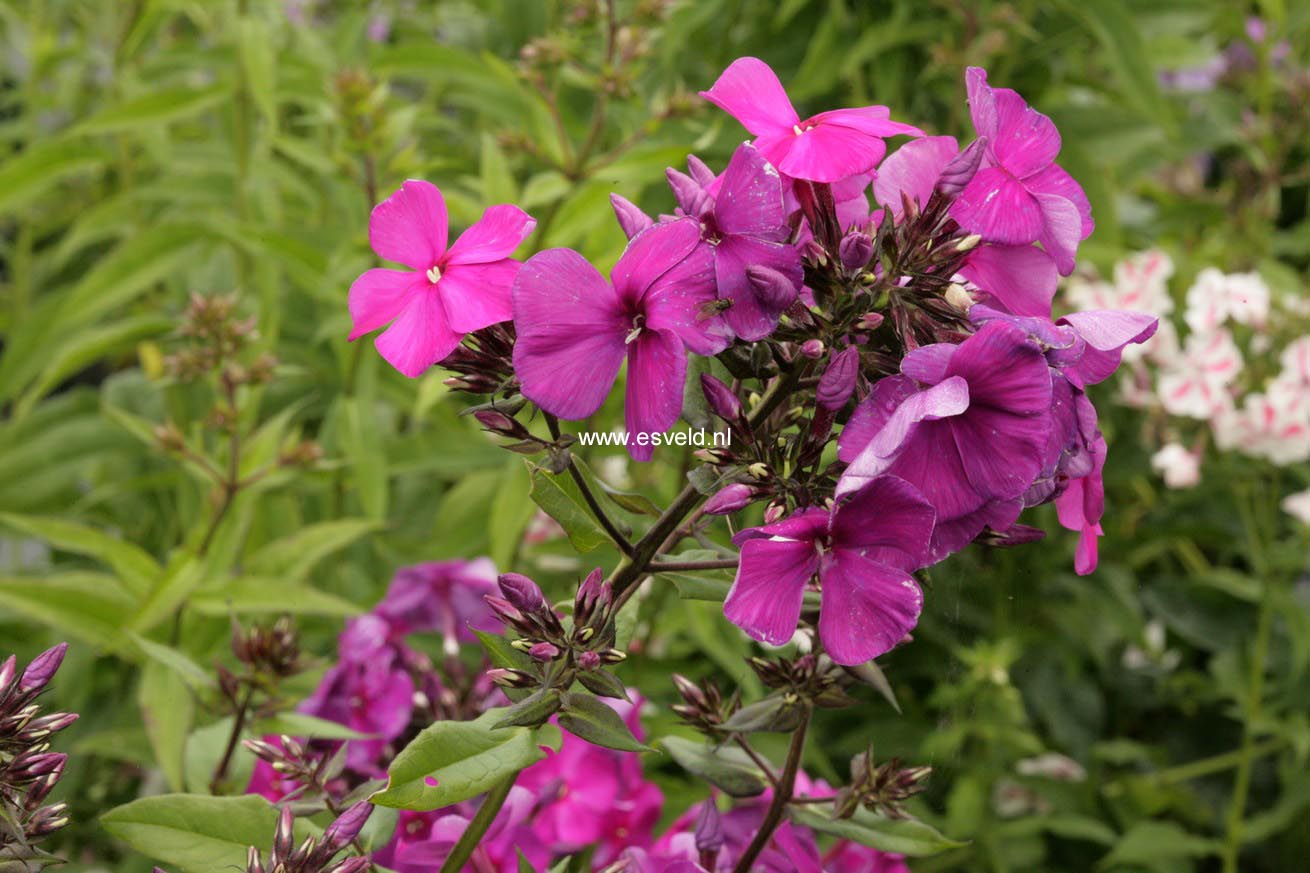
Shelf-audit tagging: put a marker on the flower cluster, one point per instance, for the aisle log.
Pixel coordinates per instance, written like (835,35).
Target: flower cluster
(923,328)
(28,769)
(1238,364)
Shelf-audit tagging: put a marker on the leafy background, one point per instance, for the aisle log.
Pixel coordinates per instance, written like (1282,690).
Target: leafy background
(159,148)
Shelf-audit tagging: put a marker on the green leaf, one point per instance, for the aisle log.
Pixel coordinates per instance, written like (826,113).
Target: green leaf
(501,653)
(297,724)
(559,498)
(183,576)
(182,666)
(772,714)
(196,834)
(1150,842)
(603,683)
(702,586)
(133,565)
(292,557)
(361,440)
(729,768)
(497,181)
(902,836)
(87,347)
(462,758)
(631,501)
(259,595)
(1121,38)
(532,710)
(510,513)
(37,169)
(588,717)
(255,50)
(158,106)
(87,606)
(168,710)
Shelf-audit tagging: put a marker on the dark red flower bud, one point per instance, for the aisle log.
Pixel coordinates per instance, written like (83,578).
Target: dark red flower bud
(960,171)
(543,651)
(838,381)
(812,349)
(42,669)
(729,499)
(346,828)
(522,592)
(588,660)
(855,250)
(722,402)
(773,289)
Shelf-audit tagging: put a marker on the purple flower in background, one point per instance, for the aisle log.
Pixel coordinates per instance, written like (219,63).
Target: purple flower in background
(370,690)
(442,596)
(1020,278)
(448,291)
(575,329)
(862,552)
(823,148)
(965,424)
(1081,506)
(1020,195)
(423,840)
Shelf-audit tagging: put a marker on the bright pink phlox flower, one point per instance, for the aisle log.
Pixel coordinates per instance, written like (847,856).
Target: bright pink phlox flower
(269,783)
(451,291)
(1080,508)
(965,424)
(862,552)
(442,596)
(424,840)
(823,148)
(1020,195)
(575,329)
(847,855)
(1021,278)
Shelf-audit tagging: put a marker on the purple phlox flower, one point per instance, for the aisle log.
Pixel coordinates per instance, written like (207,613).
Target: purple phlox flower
(369,690)
(575,329)
(853,856)
(1081,506)
(442,596)
(823,148)
(964,424)
(862,553)
(1019,278)
(423,840)
(592,796)
(448,291)
(1020,195)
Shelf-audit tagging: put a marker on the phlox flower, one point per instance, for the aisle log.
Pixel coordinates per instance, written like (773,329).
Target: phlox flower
(967,425)
(1020,278)
(1216,297)
(862,553)
(575,329)
(1196,384)
(823,148)
(423,840)
(1295,360)
(1274,424)
(1179,466)
(448,291)
(1019,194)
(441,596)
(1298,506)
(1081,506)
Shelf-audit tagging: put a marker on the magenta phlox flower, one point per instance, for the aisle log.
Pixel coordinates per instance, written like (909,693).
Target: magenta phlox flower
(862,553)
(1019,194)
(423,840)
(448,291)
(441,596)
(575,330)
(823,148)
(965,424)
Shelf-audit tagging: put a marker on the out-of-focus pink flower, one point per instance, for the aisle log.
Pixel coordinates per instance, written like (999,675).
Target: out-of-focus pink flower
(848,856)
(448,291)
(1179,466)
(442,596)
(1216,297)
(1298,506)
(423,840)
(1196,385)
(1080,508)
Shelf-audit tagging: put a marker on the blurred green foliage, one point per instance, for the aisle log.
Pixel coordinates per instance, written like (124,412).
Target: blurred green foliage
(156,149)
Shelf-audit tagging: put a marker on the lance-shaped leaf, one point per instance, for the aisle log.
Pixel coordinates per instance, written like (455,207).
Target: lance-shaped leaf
(603,683)
(593,720)
(774,713)
(532,710)
(452,761)
(559,497)
(728,768)
(903,836)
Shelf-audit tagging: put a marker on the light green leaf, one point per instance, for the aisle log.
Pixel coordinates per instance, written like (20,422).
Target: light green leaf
(88,606)
(180,663)
(33,172)
(258,595)
(167,710)
(155,107)
(511,510)
(134,566)
(255,49)
(729,768)
(902,836)
(1150,842)
(183,575)
(297,724)
(559,498)
(590,718)
(292,557)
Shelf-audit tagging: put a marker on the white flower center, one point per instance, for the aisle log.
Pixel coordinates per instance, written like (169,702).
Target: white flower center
(796,129)
(434,274)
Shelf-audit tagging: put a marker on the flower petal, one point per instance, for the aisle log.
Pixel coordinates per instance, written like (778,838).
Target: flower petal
(410,226)
(493,237)
(887,520)
(1022,279)
(379,295)
(677,301)
(1060,230)
(478,295)
(750,197)
(1026,141)
(1054,180)
(570,333)
(804,524)
(871,414)
(657,369)
(1106,332)
(982,102)
(913,170)
(419,337)
(998,207)
(750,92)
(829,152)
(652,253)
(765,598)
(928,363)
(867,607)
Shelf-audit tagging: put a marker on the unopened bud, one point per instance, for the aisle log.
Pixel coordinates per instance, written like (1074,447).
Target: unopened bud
(870,321)
(961,169)
(760,470)
(497,422)
(855,250)
(632,220)
(721,400)
(703,175)
(813,349)
(346,828)
(543,651)
(957,296)
(730,499)
(774,290)
(522,592)
(42,669)
(709,828)
(969,243)
(776,509)
(588,661)
(838,381)
(507,677)
(612,656)
(692,198)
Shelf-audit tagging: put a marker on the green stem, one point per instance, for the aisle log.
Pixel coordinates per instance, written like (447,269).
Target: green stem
(238,722)
(1216,763)
(592,503)
(691,566)
(477,828)
(782,795)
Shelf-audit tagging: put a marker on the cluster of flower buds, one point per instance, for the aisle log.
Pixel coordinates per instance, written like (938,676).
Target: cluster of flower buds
(28,769)
(310,769)
(216,336)
(810,677)
(703,706)
(484,364)
(314,855)
(558,650)
(268,649)
(881,788)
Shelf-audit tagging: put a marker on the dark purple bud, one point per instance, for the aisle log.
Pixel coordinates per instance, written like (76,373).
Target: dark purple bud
(632,220)
(254,863)
(838,381)
(723,403)
(591,594)
(509,678)
(612,656)
(870,321)
(812,349)
(709,828)
(42,669)
(350,865)
(703,175)
(855,250)
(773,289)
(543,651)
(960,171)
(812,250)
(28,767)
(46,821)
(346,828)
(284,838)
(729,499)
(692,198)
(497,422)
(522,592)
(588,661)
(504,610)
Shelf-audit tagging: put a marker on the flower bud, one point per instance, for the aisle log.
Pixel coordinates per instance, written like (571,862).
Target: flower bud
(774,290)
(632,220)
(760,470)
(838,381)
(968,243)
(498,422)
(588,661)
(692,198)
(958,297)
(961,169)
(812,349)
(703,175)
(870,321)
(42,669)
(522,592)
(284,838)
(729,499)
(709,829)
(254,863)
(776,509)
(612,656)
(720,398)
(855,250)
(543,651)
(507,677)
(346,828)
(350,865)
(8,670)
